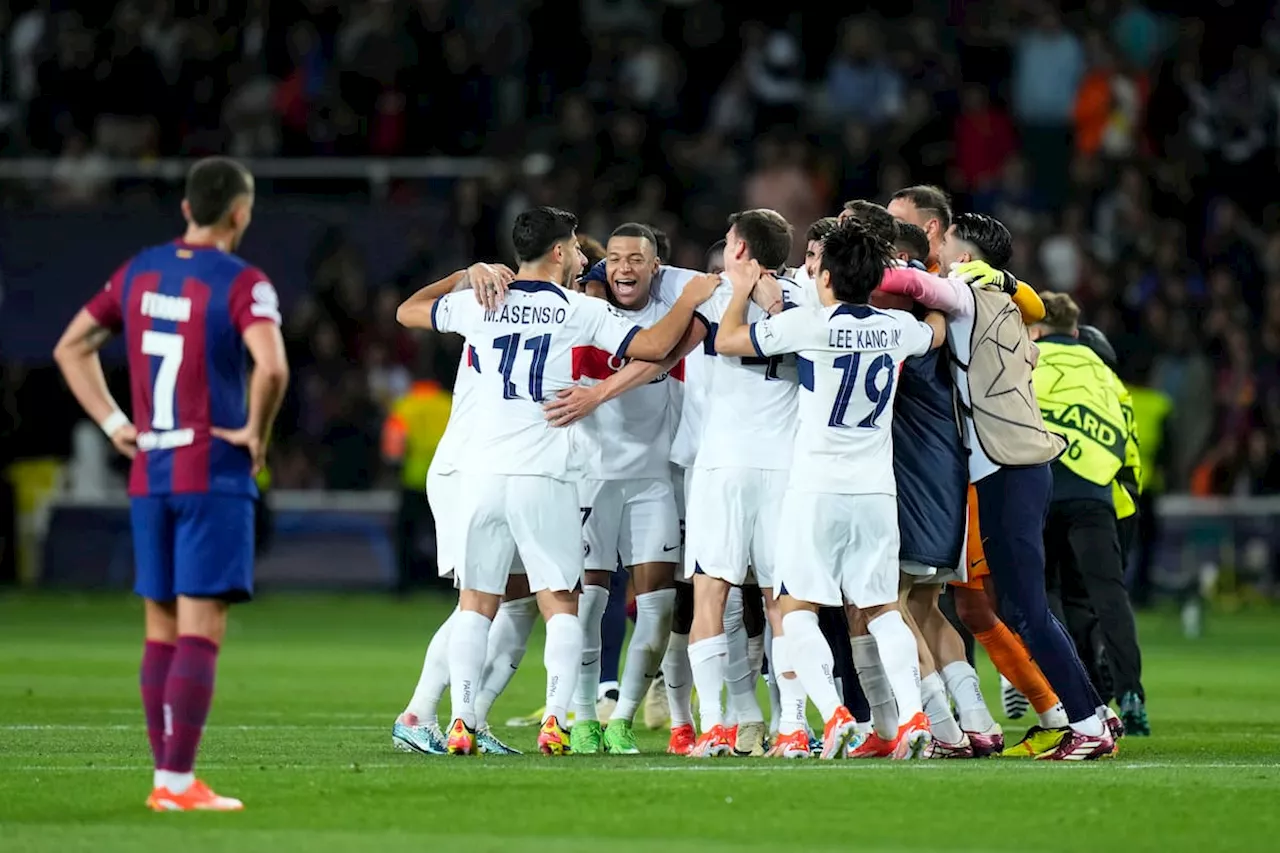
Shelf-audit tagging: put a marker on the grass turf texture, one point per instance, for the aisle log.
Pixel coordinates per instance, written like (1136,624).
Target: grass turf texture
(308,688)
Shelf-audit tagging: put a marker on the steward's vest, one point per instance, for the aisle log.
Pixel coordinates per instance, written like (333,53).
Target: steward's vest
(1080,399)
(997,368)
(1128,482)
(1150,409)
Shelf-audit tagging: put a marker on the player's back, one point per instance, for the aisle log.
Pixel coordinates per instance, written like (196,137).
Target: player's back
(750,405)
(184,310)
(848,379)
(522,355)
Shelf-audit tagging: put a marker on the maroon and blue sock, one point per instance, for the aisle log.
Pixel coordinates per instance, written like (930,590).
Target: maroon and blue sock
(156,660)
(188,692)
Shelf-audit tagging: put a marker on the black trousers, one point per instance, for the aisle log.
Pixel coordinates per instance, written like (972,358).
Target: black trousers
(415,564)
(1085,578)
(835,628)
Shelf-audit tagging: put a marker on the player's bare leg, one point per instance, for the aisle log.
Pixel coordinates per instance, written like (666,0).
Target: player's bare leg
(808,656)
(199,626)
(587,734)
(655,605)
(898,653)
(948,739)
(562,657)
(957,674)
(708,651)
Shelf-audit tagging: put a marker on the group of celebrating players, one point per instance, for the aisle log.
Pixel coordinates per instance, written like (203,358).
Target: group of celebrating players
(747,440)
(816,431)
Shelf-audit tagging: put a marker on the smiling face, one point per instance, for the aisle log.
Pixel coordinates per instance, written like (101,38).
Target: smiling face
(630,265)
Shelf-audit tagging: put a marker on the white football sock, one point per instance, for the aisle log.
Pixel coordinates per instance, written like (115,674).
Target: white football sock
(900,656)
(175,783)
(467,645)
(562,657)
(707,659)
(508,638)
(771,682)
(735,665)
(943,724)
(875,684)
(962,683)
(679,680)
(1090,725)
(811,657)
(644,654)
(591,607)
(755,656)
(1054,718)
(791,695)
(434,680)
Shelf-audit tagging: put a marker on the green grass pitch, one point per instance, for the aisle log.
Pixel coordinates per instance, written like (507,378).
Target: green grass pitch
(308,688)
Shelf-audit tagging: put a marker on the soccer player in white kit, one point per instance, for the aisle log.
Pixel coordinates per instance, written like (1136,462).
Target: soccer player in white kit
(626,498)
(840,510)
(519,492)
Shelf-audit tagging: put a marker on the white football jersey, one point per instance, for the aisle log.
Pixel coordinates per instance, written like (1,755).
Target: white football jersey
(451,445)
(522,354)
(749,419)
(805,291)
(848,358)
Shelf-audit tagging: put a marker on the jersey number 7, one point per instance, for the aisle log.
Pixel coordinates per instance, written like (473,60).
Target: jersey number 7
(168,347)
(876,394)
(509,345)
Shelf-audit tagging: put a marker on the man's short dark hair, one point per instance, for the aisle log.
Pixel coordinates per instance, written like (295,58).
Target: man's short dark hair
(876,217)
(213,185)
(856,258)
(767,235)
(820,229)
(538,229)
(988,235)
(927,197)
(636,229)
(913,241)
(663,244)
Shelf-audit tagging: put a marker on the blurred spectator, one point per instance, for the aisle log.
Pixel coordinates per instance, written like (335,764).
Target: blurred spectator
(1048,66)
(860,84)
(985,139)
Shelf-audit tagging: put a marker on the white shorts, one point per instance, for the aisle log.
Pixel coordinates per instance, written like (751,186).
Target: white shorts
(734,523)
(500,516)
(839,548)
(634,520)
(442,496)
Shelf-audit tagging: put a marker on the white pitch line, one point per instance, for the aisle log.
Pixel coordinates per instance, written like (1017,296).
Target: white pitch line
(32,727)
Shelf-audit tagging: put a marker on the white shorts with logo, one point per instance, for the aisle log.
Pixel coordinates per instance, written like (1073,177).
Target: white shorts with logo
(500,517)
(839,548)
(734,519)
(442,496)
(635,520)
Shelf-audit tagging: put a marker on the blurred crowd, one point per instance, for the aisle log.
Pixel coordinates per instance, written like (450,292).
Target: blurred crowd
(1131,148)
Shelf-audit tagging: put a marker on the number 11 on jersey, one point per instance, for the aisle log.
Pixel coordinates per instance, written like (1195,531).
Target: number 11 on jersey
(509,346)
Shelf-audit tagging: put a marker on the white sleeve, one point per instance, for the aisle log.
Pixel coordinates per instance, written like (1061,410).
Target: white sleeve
(790,331)
(671,282)
(455,312)
(712,311)
(603,326)
(917,337)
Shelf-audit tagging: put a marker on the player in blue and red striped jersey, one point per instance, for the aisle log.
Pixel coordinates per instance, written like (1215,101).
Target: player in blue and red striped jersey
(189,311)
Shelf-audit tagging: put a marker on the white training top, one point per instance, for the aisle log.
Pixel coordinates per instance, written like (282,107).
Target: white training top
(629,437)
(749,420)
(522,354)
(848,358)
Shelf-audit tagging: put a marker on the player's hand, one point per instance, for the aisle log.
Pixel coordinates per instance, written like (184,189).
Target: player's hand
(982,274)
(249,440)
(768,294)
(700,287)
(125,440)
(571,405)
(490,282)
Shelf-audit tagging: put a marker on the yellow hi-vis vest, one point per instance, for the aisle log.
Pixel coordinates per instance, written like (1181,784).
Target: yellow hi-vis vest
(1150,409)
(1122,493)
(1079,400)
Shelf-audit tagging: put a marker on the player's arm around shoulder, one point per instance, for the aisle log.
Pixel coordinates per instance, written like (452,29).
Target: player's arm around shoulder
(489,283)
(657,342)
